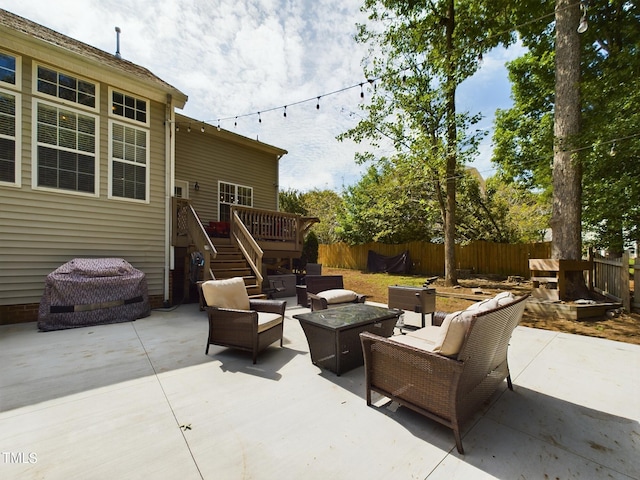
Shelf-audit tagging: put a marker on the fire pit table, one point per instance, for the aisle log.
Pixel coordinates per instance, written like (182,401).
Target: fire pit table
(334,334)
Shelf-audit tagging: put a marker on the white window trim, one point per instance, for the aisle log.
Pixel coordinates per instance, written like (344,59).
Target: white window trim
(34,150)
(147,165)
(235,185)
(184,185)
(35,92)
(146,124)
(18,140)
(18,84)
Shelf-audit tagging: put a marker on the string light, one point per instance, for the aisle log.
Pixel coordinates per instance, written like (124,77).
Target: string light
(582,27)
(372,81)
(202,127)
(189,128)
(259,118)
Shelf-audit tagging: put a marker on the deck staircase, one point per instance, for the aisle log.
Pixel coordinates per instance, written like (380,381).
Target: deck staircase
(231,263)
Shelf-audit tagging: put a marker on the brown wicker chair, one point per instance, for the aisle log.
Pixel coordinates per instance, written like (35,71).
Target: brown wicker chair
(239,322)
(447,390)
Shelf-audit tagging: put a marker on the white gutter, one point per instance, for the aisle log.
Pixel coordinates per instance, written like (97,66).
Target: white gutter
(170,152)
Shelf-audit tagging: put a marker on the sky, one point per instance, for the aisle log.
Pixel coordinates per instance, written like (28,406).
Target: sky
(235,58)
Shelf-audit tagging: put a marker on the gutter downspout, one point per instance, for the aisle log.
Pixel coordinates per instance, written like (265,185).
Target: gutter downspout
(169,187)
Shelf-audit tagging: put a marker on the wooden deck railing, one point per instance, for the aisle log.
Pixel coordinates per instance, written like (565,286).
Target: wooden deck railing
(247,244)
(274,230)
(188,230)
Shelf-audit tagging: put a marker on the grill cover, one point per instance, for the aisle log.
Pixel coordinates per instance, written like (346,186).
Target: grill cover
(93,291)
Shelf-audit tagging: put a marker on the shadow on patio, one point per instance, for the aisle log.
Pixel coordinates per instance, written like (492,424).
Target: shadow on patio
(141,399)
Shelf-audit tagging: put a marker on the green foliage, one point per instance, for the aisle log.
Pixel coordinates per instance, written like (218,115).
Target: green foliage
(292,201)
(610,95)
(310,248)
(323,204)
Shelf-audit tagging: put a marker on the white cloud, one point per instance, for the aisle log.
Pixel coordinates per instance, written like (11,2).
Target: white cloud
(235,57)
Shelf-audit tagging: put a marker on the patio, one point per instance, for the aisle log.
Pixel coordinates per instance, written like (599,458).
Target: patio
(142,400)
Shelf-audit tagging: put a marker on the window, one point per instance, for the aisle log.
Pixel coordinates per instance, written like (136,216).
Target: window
(8,68)
(66,87)
(9,154)
(129,154)
(127,106)
(66,149)
(231,194)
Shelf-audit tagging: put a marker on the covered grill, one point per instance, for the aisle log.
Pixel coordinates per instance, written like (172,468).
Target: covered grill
(93,291)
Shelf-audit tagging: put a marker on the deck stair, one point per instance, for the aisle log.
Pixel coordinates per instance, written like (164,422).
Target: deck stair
(230,263)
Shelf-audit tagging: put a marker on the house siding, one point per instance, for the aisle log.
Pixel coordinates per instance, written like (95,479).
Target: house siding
(40,230)
(210,157)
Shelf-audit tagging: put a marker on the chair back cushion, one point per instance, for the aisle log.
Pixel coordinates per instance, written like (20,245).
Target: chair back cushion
(228,293)
(456,324)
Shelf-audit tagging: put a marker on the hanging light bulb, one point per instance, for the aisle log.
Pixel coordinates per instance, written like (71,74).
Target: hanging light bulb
(235,123)
(218,124)
(582,27)
(259,118)
(177,127)
(361,91)
(189,128)
(285,112)
(318,104)
(612,152)
(202,127)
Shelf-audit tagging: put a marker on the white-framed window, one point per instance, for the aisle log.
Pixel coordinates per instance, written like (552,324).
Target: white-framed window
(10,70)
(232,194)
(67,88)
(181,189)
(127,106)
(10,151)
(65,144)
(128,162)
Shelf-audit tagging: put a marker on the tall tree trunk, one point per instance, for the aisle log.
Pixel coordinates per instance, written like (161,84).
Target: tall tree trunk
(566,214)
(450,273)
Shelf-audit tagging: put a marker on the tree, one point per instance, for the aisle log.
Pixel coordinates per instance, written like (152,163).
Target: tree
(292,201)
(566,220)
(420,53)
(608,145)
(324,204)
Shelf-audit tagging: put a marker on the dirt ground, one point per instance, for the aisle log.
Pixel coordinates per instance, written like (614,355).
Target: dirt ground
(623,327)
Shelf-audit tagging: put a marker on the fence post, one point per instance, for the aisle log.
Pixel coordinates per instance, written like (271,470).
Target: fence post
(624,282)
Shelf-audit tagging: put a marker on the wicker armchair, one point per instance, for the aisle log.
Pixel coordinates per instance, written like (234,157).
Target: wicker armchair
(239,322)
(448,390)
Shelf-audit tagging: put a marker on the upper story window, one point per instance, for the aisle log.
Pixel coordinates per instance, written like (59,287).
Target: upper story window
(127,106)
(129,162)
(66,87)
(8,68)
(66,148)
(9,144)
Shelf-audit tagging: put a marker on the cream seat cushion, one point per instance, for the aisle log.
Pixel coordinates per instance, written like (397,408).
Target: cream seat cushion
(228,293)
(423,338)
(338,295)
(267,320)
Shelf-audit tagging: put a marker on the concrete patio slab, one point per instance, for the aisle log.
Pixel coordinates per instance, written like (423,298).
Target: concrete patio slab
(142,400)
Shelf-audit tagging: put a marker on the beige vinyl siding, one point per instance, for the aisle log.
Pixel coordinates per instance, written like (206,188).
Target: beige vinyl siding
(40,230)
(208,158)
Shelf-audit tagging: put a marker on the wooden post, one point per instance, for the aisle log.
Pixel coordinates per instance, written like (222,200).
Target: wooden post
(624,282)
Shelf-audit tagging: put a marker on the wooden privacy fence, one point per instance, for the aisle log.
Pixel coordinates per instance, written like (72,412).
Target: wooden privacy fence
(611,278)
(428,258)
